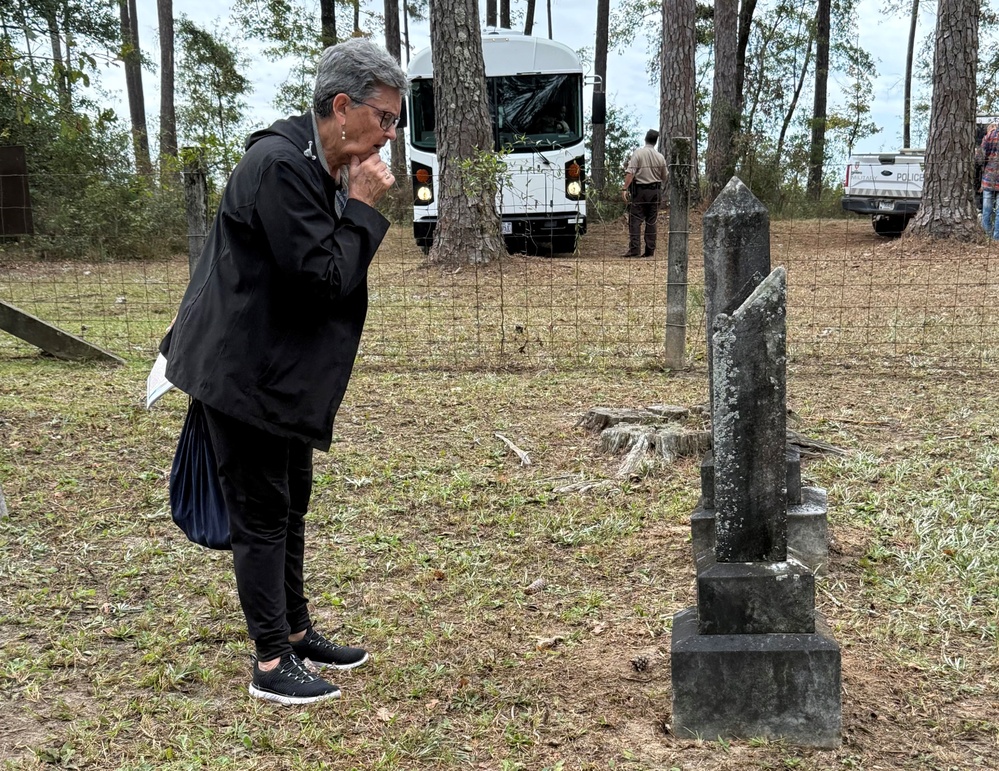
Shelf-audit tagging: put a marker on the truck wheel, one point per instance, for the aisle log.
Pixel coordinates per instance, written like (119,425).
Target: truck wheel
(564,244)
(889,225)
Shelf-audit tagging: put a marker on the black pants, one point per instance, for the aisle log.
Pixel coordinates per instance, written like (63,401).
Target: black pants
(266,484)
(644,208)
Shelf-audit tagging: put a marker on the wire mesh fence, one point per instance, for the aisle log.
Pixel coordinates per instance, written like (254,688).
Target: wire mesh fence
(856,299)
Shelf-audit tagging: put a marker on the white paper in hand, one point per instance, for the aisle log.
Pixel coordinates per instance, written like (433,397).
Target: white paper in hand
(157,383)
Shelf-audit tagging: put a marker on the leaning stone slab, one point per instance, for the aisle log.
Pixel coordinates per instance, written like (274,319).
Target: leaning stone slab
(749,426)
(771,686)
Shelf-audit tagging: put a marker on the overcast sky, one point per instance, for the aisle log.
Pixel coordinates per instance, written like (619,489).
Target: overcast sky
(574,23)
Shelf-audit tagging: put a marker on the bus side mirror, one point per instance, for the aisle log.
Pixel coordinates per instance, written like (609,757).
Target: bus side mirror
(599,114)
(402,117)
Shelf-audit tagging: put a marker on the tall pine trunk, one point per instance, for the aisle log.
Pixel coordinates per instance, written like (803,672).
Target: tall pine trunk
(817,154)
(677,81)
(468,225)
(393,43)
(133,85)
(60,64)
(598,155)
(529,18)
(168,114)
(947,208)
(907,100)
(327,22)
(720,160)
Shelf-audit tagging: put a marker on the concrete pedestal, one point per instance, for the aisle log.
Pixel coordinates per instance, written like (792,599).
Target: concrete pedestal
(807,530)
(743,686)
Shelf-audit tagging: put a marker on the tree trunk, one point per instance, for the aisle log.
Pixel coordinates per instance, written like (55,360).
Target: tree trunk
(133,85)
(468,225)
(817,154)
(794,100)
(529,17)
(405,28)
(720,161)
(907,103)
(490,13)
(677,81)
(168,114)
(549,19)
(393,44)
(327,21)
(746,10)
(598,155)
(947,209)
(60,65)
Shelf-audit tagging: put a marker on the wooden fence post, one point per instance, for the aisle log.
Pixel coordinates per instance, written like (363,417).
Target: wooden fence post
(196,202)
(677,254)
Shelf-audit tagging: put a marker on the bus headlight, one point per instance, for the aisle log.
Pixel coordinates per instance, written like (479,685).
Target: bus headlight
(423,185)
(574,179)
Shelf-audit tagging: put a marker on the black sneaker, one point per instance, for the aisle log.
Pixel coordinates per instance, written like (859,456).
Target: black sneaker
(323,653)
(291,683)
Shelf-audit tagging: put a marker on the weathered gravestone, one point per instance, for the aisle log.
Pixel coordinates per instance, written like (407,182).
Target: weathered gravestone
(736,260)
(752,659)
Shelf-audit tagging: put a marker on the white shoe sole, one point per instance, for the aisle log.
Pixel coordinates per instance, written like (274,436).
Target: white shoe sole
(341,667)
(288,701)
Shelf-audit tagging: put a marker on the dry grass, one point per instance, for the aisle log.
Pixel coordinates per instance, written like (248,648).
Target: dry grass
(123,646)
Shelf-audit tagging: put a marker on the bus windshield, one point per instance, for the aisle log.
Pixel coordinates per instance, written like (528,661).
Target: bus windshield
(526,111)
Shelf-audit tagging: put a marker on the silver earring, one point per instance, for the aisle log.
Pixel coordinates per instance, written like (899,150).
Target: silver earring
(343,134)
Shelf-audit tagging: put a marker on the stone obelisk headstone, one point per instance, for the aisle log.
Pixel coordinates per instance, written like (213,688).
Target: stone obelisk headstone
(750,659)
(736,260)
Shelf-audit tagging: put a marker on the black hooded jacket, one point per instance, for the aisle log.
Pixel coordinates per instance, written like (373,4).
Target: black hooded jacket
(271,321)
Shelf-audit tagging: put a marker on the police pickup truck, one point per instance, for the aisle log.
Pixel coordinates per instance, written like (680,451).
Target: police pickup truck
(887,186)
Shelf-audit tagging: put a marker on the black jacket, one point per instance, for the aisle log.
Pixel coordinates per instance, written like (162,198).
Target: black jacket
(271,321)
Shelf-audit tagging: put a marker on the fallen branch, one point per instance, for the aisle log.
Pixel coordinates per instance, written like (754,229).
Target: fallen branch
(525,459)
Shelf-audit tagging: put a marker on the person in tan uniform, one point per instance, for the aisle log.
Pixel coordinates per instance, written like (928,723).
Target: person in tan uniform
(643,181)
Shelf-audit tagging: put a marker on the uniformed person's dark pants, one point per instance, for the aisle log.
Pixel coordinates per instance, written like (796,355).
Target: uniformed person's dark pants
(266,484)
(644,208)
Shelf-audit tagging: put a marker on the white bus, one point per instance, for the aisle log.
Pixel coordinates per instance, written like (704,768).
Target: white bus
(535,91)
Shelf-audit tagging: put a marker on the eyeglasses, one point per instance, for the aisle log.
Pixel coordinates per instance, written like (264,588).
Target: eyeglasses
(387,119)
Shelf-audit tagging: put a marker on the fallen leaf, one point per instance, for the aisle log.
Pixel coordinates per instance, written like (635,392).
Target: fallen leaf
(384,715)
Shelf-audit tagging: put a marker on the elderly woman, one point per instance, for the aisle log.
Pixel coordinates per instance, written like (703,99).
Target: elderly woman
(267,333)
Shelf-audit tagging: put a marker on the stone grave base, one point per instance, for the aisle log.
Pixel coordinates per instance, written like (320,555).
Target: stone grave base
(773,686)
(807,530)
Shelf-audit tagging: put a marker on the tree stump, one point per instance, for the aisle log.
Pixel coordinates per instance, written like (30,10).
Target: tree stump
(662,431)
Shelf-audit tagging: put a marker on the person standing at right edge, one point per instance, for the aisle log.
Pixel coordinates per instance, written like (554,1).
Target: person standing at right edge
(643,182)
(990,181)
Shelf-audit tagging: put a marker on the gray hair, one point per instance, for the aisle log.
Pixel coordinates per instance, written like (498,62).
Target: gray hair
(355,67)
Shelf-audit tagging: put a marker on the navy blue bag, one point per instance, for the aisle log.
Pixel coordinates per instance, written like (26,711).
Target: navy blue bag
(195,490)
